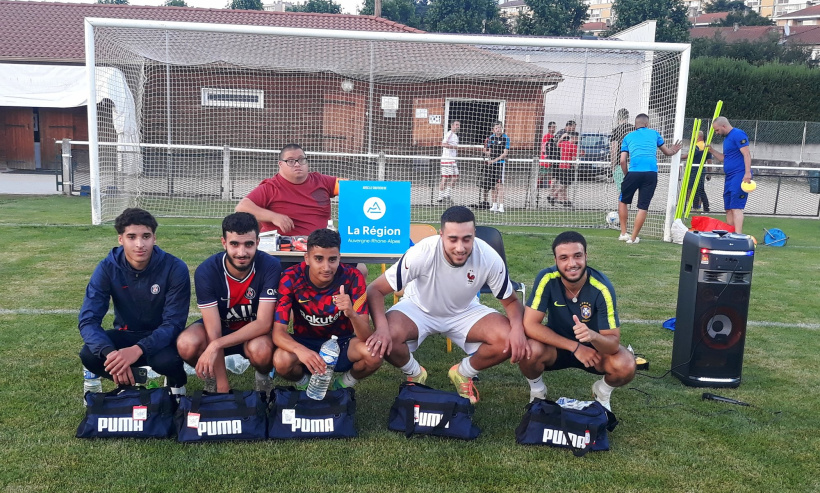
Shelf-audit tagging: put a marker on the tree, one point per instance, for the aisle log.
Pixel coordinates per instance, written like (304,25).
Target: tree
(744,18)
(246,5)
(317,7)
(552,18)
(716,6)
(465,16)
(671,16)
(403,11)
(757,52)
(113,2)
(175,3)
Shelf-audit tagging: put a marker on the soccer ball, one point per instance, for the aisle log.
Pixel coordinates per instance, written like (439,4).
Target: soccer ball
(612,220)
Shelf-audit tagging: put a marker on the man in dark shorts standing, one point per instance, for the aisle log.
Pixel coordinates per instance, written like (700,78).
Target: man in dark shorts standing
(616,138)
(582,329)
(640,150)
(495,150)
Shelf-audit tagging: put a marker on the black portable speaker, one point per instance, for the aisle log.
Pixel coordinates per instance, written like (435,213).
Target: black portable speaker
(713,306)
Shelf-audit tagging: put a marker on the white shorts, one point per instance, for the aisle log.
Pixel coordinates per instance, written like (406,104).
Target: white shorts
(456,327)
(449,168)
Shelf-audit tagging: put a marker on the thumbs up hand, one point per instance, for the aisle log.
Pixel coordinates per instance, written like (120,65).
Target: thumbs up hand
(582,332)
(342,301)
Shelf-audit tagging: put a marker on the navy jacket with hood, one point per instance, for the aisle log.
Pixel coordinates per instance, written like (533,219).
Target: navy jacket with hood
(154,301)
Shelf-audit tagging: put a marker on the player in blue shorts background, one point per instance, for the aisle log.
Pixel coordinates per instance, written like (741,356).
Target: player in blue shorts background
(236,293)
(326,298)
(737,164)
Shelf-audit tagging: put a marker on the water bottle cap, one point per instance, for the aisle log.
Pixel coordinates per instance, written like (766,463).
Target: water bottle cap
(334,337)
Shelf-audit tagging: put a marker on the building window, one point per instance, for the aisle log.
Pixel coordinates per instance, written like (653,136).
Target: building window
(477,118)
(233,98)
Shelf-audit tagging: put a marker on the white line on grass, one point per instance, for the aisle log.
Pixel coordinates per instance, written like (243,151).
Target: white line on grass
(60,311)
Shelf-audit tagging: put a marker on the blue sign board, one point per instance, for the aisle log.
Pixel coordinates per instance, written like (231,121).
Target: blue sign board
(374,216)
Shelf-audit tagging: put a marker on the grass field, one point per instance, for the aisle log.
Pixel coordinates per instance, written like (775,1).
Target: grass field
(668,438)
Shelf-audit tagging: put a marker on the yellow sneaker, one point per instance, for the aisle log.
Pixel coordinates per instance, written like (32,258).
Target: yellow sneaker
(420,378)
(464,386)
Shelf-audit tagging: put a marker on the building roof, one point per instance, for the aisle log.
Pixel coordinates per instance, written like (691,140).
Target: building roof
(54,32)
(733,35)
(801,35)
(512,3)
(706,19)
(809,12)
(594,26)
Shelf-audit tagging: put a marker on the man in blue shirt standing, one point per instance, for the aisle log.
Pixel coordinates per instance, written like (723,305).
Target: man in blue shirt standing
(151,291)
(496,148)
(737,164)
(640,149)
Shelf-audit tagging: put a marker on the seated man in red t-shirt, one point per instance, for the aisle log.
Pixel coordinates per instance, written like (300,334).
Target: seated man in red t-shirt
(295,201)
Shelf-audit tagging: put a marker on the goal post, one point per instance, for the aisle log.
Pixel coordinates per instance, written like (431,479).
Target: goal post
(190,117)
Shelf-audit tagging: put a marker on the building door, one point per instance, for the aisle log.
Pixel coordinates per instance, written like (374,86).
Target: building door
(18,138)
(343,122)
(56,124)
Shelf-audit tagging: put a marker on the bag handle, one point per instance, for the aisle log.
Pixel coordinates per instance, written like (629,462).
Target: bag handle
(98,399)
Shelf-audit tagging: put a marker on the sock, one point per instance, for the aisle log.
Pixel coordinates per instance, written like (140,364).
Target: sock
(304,380)
(447,192)
(605,389)
(465,369)
(412,368)
(440,193)
(537,385)
(495,205)
(348,379)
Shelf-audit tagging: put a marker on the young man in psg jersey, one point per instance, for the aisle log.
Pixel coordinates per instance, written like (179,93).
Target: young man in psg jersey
(326,298)
(236,293)
(582,328)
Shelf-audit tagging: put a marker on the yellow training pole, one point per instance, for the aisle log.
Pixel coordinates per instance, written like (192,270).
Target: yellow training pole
(718,107)
(687,166)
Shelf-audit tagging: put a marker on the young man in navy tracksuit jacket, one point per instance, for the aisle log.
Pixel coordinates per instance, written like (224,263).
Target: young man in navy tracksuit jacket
(151,290)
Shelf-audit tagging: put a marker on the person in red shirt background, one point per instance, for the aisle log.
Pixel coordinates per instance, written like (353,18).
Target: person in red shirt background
(564,173)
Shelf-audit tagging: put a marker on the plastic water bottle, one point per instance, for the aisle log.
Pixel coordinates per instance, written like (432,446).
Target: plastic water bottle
(319,382)
(235,363)
(91,382)
(330,225)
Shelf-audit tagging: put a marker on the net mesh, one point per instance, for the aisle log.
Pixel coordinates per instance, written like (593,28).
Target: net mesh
(190,122)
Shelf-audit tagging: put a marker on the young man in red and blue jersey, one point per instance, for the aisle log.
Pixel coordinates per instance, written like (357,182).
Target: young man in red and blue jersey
(236,293)
(326,298)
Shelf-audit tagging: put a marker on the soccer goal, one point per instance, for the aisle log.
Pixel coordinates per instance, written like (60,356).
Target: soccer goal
(190,117)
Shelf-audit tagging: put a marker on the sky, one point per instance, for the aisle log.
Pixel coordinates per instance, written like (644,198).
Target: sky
(348,6)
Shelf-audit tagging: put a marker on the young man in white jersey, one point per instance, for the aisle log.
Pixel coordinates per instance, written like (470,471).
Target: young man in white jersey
(442,276)
(449,167)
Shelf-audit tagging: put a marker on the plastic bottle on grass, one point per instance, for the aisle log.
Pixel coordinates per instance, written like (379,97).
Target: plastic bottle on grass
(91,382)
(319,382)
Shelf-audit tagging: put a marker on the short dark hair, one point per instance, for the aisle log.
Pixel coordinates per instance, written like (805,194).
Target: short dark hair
(569,237)
(550,124)
(240,223)
(457,214)
(134,216)
(642,116)
(324,238)
(623,114)
(570,122)
(499,123)
(291,147)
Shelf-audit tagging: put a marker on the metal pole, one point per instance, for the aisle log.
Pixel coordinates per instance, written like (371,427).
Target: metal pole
(226,173)
(67,167)
(677,134)
(168,114)
(93,138)
(803,144)
(370,108)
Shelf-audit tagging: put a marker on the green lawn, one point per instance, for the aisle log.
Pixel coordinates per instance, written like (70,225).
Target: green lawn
(668,438)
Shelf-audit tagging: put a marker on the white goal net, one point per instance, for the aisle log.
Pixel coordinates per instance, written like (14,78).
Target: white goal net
(192,116)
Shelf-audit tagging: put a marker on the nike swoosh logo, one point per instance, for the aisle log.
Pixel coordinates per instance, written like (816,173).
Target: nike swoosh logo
(303,301)
(556,304)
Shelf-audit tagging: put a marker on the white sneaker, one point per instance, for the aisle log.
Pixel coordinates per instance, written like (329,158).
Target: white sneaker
(633,242)
(624,237)
(494,208)
(538,395)
(595,394)
(501,208)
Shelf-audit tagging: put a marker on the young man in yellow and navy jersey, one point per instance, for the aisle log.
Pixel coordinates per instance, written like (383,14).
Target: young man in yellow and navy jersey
(582,328)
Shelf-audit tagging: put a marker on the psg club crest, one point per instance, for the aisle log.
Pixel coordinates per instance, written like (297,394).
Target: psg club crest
(250,294)
(470,277)
(586,312)
(155,289)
